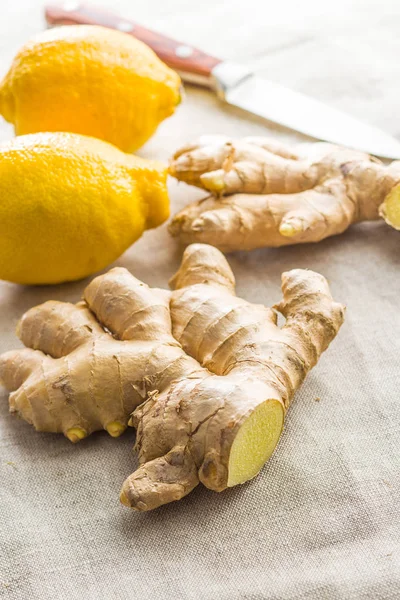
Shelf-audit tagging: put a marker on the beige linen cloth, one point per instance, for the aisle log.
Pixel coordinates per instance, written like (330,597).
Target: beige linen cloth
(321,521)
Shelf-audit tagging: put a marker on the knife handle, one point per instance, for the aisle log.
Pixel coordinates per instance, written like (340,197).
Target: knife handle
(193,65)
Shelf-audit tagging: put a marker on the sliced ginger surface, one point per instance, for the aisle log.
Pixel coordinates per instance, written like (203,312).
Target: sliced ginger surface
(390,209)
(255,442)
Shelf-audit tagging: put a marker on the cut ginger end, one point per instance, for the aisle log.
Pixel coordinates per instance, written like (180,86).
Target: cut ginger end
(255,442)
(390,209)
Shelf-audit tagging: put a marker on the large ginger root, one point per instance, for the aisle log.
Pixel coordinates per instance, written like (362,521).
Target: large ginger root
(208,376)
(276,196)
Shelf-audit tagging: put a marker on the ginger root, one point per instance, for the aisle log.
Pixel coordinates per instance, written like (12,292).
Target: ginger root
(204,376)
(267,195)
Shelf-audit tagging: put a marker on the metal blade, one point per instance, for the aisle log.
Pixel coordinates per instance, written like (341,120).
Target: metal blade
(294,110)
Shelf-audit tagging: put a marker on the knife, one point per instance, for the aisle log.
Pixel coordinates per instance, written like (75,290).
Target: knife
(238,86)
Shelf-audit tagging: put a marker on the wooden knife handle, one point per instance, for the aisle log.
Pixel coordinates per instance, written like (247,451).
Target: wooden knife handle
(193,65)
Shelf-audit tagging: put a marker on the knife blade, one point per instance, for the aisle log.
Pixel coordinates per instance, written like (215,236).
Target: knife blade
(239,87)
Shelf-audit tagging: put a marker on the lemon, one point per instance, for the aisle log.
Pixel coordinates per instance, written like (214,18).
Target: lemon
(89,80)
(71,204)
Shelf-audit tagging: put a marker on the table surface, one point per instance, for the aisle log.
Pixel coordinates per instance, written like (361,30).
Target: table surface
(322,519)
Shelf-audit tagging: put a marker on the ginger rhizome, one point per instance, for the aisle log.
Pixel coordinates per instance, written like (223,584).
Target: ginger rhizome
(267,195)
(204,376)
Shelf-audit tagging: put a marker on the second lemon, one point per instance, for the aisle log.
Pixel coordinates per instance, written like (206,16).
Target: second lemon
(89,80)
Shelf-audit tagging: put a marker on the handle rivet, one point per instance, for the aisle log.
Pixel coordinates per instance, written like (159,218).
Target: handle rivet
(71,6)
(125,26)
(184,51)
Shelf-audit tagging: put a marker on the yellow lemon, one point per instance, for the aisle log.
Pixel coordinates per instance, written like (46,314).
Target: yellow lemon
(90,80)
(71,204)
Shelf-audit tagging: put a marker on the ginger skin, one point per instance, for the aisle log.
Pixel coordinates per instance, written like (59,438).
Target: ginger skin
(204,376)
(267,195)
